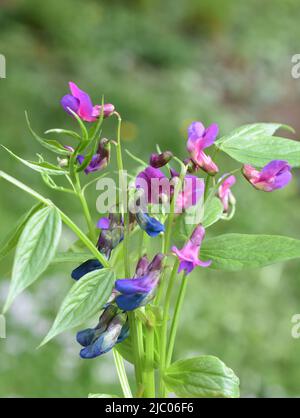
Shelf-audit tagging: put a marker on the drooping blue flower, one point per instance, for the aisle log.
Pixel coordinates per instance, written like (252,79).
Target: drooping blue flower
(141,289)
(112,329)
(85,268)
(149,224)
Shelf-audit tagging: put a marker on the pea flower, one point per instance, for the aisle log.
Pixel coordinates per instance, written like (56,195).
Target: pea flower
(200,138)
(112,232)
(100,160)
(275,175)
(225,194)
(188,255)
(154,183)
(192,191)
(80,103)
(149,224)
(160,160)
(141,289)
(112,329)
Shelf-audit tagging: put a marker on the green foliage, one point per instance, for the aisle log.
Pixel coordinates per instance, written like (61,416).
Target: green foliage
(254,144)
(86,297)
(41,167)
(35,250)
(12,238)
(201,377)
(233,252)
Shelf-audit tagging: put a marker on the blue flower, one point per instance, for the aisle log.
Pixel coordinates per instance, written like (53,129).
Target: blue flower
(150,225)
(141,289)
(85,268)
(112,329)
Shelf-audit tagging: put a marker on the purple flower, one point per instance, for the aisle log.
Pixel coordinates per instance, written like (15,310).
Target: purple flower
(112,329)
(112,233)
(80,103)
(275,175)
(154,184)
(100,160)
(159,160)
(200,138)
(188,255)
(225,193)
(141,289)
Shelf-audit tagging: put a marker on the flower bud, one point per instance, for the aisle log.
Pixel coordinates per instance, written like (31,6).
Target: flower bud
(159,160)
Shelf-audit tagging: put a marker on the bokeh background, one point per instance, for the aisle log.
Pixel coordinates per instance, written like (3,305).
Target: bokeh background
(162,64)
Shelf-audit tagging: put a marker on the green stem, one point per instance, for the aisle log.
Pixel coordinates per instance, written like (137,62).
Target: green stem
(164,328)
(136,330)
(149,363)
(175,320)
(122,374)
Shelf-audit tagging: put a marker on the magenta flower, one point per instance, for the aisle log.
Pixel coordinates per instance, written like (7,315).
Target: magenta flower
(225,193)
(154,183)
(192,191)
(275,175)
(189,254)
(200,138)
(80,103)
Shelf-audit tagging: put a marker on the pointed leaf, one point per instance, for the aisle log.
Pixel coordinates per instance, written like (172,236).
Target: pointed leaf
(252,130)
(42,167)
(50,144)
(233,252)
(259,150)
(35,250)
(87,297)
(11,240)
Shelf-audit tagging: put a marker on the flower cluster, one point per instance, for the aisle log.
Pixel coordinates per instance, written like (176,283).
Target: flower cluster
(155,185)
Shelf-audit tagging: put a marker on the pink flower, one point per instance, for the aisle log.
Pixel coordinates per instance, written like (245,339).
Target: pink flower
(192,191)
(80,103)
(189,254)
(225,193)
(200,138)
(275,175)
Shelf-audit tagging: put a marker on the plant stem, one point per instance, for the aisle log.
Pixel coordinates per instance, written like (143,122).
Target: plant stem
(136,330)
(164,328)
(149,363)
(122,374)
(175,320)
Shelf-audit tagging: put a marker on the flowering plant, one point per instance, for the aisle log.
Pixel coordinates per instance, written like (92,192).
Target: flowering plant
(132,260)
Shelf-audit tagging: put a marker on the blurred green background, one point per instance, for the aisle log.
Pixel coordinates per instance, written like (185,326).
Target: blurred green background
(162,64)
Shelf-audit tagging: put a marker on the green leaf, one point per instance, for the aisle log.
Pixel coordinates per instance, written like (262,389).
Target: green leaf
(101,395)
(213,211)
(42,167)
(259,150)
(71,257)
(252,130)
(35,250)
(201,377)
(233,252)
(50,144)
(86,297)
(66,132)
(11,240)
